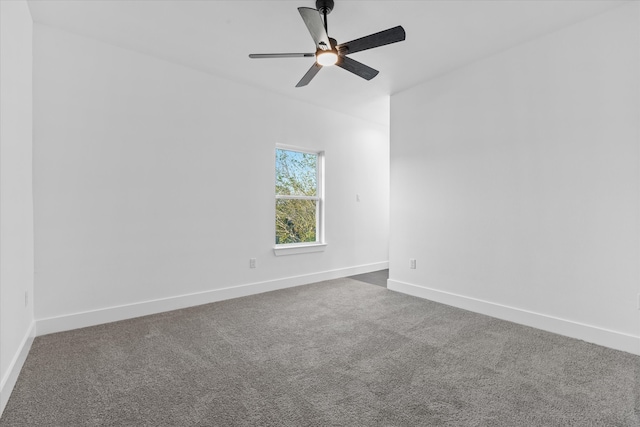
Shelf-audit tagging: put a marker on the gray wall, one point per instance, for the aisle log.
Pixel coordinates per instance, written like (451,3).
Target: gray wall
(16,196)
(154,185)
(514,183)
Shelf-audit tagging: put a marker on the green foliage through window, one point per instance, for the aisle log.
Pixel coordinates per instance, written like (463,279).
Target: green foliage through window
(297,198)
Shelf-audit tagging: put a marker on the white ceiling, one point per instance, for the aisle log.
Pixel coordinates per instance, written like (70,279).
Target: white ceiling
(217,36)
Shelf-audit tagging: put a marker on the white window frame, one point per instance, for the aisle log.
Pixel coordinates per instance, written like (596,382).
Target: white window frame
(320,244)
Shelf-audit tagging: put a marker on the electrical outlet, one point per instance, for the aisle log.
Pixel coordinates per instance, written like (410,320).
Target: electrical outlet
(252,263)
(412,263)
(26,298)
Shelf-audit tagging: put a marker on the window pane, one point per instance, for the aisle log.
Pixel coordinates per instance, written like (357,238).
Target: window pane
(295,221)
(296,173)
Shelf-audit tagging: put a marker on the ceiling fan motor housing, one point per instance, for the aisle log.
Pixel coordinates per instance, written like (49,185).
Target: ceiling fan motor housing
(324,6)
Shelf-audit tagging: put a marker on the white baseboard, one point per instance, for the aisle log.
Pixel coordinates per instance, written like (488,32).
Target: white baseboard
(144,308)
(9,380)
(589,333)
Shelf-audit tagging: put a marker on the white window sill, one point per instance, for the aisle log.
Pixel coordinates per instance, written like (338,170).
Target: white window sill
(298,248)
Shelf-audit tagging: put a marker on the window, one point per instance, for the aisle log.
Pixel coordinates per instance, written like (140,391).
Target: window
(299,204)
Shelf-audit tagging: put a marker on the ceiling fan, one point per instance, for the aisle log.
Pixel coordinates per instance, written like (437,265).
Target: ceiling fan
(328,52)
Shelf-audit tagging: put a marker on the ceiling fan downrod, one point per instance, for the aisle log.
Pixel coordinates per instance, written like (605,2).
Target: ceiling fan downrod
(325,7)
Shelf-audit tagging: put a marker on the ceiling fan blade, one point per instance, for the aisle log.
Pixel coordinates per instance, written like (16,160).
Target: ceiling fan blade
(392,35)
(313,21)
(281,55)
(309,75)
(357,68)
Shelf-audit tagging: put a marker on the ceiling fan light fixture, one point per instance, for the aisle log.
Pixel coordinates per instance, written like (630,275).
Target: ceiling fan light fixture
(327,58)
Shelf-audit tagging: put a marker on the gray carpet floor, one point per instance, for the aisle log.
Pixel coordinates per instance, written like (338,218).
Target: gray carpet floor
(336,353)
(378,278)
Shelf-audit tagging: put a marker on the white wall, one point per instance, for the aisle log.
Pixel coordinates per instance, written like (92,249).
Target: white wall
(515,183)
(16,197)
(153,181)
